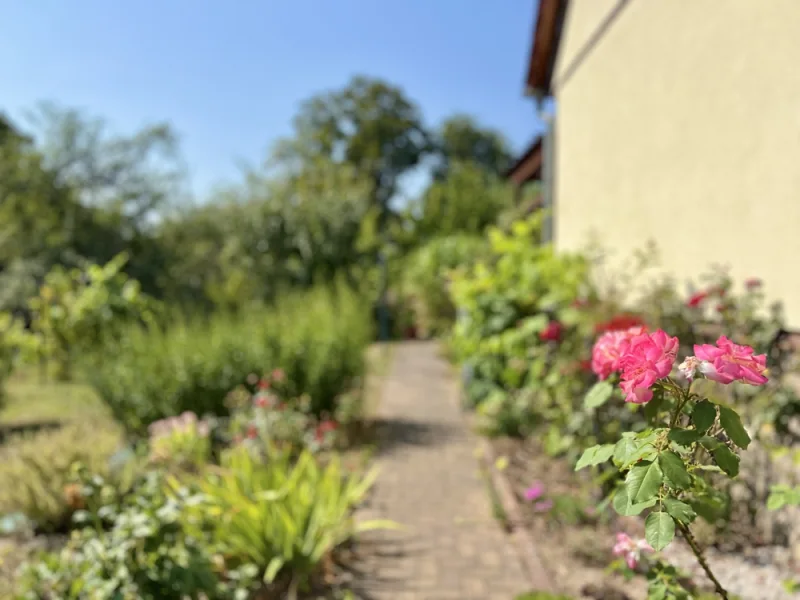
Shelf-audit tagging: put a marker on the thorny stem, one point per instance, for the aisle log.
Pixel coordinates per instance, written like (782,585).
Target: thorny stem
(696,550)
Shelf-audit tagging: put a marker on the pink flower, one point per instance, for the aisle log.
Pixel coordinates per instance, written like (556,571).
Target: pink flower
(696,300)
(534,492)
(608,350)
(752,284)
(631,549)
(278,375)
(728,362)
(647,358)
(551,333)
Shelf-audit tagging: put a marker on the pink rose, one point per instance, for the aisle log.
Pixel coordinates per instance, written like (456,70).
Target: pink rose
(631,549)
(728,362)
(608,350)
(647,358)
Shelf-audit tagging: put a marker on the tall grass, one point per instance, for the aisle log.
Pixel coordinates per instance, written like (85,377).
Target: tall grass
(317,337)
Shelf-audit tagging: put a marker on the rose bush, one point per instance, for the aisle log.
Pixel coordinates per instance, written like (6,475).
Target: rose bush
(665,464)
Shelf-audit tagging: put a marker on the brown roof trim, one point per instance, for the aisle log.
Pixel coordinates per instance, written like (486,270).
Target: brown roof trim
(546,40)
(528,167)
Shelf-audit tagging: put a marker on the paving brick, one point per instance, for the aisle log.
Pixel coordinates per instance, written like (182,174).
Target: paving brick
(430,483)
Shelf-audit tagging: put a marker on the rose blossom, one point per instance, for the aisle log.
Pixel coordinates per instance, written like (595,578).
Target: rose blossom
(727,362)
(551,333)
(619,323)
(696,300)
(631,549)
(647,358)
(752,284)
(609,348)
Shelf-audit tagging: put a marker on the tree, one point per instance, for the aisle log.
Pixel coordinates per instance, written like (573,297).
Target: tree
(268,233)
(466,200)
(461,139)
(368,124)
(135,175)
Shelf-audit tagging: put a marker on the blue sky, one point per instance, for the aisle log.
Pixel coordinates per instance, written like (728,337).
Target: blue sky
(229,75)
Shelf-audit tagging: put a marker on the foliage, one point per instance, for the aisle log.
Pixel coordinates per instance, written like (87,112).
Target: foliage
(282,518)
(369,124)
(80,309)
(518,330)
(145,554)
(269,418)
(426,279)
(13,341)
(460,138)
(36,472)
(182,442)
(467,200)
(268,234)
(318,337)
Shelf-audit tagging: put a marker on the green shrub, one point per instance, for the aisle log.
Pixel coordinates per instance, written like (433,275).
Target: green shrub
(278,517)
(77,309)
(36,471)
(318,338)
(145,554)
(426,279)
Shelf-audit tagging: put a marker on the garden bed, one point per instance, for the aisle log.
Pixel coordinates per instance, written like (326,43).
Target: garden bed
(575,543)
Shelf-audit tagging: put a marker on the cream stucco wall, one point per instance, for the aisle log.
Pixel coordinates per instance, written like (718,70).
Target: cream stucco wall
(682,125)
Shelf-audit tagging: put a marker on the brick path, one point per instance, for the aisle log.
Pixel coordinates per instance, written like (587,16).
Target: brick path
(453,548)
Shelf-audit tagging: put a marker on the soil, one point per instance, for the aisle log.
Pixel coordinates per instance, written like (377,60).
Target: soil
(575,542)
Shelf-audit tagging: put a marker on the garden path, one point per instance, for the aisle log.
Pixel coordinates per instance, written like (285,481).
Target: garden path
(430,482)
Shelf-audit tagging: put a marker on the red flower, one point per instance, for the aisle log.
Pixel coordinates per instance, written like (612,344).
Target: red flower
(696,299)
(619,323)
(263,384)
(753,283)
(278,375)
(585,365)
(260,402)
(252,432)
(551,333)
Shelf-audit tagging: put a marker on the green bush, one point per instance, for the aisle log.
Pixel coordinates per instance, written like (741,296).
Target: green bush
(426,279)
(278,517)
(318,338)
(36,471)
(519,333)
(145,554)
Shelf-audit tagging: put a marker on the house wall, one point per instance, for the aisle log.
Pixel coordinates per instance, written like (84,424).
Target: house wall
(681,125)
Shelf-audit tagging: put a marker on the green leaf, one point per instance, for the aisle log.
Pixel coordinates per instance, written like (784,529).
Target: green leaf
(680,511)
(776,500)
(726,460)
(652,408)
(624,507)
(595,456)
(630,449)
(674,470)
(703,415)
(732,425)
(684,437)
(626,446)
(643,481)
(598,395)
(659,530)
